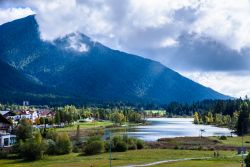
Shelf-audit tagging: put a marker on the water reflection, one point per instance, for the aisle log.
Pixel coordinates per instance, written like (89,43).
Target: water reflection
(173,127)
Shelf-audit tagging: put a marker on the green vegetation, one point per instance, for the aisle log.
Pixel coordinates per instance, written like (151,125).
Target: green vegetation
(85,125)
(220,162)
(233,114)
(126,158)
(234,141)
(94,145)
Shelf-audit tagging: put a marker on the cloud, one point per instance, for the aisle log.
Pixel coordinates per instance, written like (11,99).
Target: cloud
(225,21)
(74,43)
(208,36)
(233,84)
(10,14)
(169,42)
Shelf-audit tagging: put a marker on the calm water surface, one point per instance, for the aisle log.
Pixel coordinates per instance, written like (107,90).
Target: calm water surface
(173,127)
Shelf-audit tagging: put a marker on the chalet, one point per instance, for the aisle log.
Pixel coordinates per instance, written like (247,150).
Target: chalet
(8,114)
(31,115)
(6,139)
(45,113)
(5,124)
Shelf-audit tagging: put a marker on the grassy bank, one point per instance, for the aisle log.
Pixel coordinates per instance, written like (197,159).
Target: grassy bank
(126,158)
(85,125)
(234,141)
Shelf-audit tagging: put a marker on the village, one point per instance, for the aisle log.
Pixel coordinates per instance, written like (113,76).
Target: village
(38,117)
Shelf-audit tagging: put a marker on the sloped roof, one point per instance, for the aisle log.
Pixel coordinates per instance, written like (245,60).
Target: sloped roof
(4,120)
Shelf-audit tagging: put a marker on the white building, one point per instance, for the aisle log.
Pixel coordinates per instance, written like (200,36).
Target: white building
(7,140)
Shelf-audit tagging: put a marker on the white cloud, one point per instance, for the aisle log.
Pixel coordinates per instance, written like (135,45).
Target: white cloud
(169,42)
(150,28)
(10,14)
(228,83)
(74,42)
(120,23)
(226,21)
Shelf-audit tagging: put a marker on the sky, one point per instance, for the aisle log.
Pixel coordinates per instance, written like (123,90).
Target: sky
(207,41)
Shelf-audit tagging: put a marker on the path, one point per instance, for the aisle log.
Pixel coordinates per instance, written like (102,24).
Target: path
(171,160)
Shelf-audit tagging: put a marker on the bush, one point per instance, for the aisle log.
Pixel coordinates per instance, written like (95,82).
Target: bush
(51,147)
(121,146)
(247,160)
(24,129)
(223,138)
(63,144)
(94,147)
(33,148)
(139,144)
(132,146)
(3,154)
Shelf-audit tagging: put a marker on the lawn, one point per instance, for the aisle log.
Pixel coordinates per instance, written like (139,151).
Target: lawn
(221,162)
(235,141)
(126,158)
(85,125)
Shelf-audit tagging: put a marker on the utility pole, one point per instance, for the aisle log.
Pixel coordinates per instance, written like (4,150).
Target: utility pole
(110,150)
(242,157)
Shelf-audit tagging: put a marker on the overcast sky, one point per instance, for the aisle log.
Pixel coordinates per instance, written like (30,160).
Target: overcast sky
(161,30)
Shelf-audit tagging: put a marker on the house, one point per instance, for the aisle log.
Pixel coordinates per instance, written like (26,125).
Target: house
(6,139)
(45,113)
(8,114)
(5,124)
(31,115)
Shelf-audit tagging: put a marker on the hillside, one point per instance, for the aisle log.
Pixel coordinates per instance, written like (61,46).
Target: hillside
(79,68)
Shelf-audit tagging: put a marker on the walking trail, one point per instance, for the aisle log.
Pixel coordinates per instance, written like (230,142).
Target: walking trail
(171,160)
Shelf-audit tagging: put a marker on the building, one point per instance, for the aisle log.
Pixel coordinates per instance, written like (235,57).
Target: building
(5,125)
(6,139)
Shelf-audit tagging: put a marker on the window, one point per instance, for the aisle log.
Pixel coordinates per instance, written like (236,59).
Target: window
(12,140)
(6,142)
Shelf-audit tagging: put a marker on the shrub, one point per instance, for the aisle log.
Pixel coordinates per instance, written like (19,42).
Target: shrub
(33,148)
(24,129)
(94,147)
(223,138)
(3,154)
(51,134)
(247,160)
(139,144)
(51,147)
(132,146)
(63,144)
(121,146)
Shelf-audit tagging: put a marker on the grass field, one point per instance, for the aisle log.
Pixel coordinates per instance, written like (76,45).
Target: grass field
(235,141)
(85,125)
(130,157)
(221,162)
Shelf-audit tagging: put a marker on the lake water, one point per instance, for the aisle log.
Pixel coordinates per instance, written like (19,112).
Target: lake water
(173,127)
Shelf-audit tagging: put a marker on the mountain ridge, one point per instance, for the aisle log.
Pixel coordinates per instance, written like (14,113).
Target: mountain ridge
(89,71)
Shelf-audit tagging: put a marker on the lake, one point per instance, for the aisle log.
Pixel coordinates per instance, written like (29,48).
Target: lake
(173,127)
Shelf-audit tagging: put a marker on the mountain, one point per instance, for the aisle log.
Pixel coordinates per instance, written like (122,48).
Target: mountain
(83,71)
(16,86)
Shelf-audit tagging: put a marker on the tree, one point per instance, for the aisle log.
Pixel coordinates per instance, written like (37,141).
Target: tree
(117,117)
(24,129)
(196,118)
(63,144)
(33,148)
(37,121)
(78,133)
(247,160)
(243,120)
(57,118)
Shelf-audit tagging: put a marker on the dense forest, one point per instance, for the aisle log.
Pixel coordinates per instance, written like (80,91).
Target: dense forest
(233,113)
